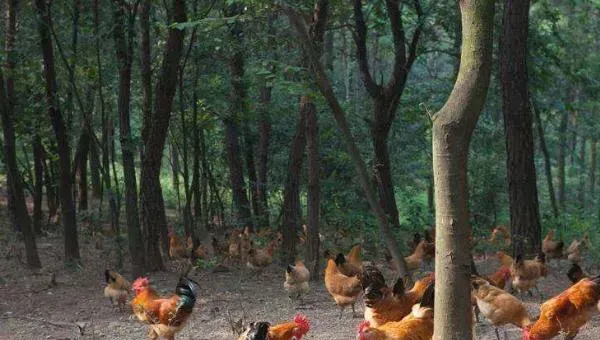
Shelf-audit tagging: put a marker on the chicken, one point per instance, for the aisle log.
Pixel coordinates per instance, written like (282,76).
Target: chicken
(354,257)
(344,289)
(505,260)
(296,280)
(384,304)
(503,232)
(551,248)
(414,242)
(117,288)
(346,267)
(500,278)
(526,273)
(260,258)
(576,274)
(575,250)
(418,325)
(166,316)
(423,252)
(566,312)
(285,331)
(498,306)
(176,248)
(235,243)
(199,252)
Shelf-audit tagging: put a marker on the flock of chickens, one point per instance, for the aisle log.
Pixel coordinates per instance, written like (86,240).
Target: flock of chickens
(390,313)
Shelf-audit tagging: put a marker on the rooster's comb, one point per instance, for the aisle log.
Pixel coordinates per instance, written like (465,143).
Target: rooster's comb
(302,326)
(363,326)
(140,282)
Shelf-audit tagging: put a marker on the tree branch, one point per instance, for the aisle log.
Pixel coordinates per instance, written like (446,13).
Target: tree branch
(412,48)
(360,38)
(319,21)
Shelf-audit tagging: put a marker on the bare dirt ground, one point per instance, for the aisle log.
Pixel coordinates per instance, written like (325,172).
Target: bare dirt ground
(31,307)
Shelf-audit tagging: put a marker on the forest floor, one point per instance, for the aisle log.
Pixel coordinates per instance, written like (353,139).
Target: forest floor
(31,307)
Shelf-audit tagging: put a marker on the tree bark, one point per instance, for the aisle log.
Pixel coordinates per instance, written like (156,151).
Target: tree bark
(7,100)
(66,195)
(146,71)
(562,155)
(326,89)
(237,97)
(547,160)
(291,191)
(520,167)
(314,190)
(592,167)
(124,54)
(249,142)
(582,171)
(453,126)
(264,141)
(153,206)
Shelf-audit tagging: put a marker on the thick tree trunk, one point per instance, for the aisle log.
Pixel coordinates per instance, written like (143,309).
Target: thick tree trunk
(146,71)
(38,192)
(264,141)
(453,126)
(326,89)
(314,190)
(66,196)
(592,167)
(562,155)
(291,191)
(547,160)
(124,52)
(7,98)
(522,184)
(582,171)
(153,207)
(237,106)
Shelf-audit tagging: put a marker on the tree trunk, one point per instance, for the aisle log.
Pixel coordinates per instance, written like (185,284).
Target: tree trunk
(264,141)
(547,160)
(7,100)
(291,191)
(453,126)
(582,171)
(314,190)
(592,168)
(124,52)
(38,192)
(175,171)
(562,155)
(146,71)
(80,166)
(251,167)
(520,167)
(95,170)
(66,195)
(237,107)
(153,206)
(52,201)
(326,89)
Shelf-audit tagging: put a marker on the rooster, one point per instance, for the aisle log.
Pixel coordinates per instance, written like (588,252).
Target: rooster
(498,306)
(384,304)
(526,273)
(176,249)
(344,289)
(117,288)
(418,325)
(566,312)
(293,330)
(296,280)
(500,278)
(166,316)
(552,249)
(575,273)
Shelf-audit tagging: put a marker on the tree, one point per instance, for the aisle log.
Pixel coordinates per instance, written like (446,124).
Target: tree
(124,54)
(58,124)
(547,160)
(520,167)
(152,201)
(314,190)
(7,98)
(453,127)
(236,108)
(386,97)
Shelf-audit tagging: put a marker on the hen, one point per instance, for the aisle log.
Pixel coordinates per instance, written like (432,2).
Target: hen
(500,231)
(566,312)
(505,260)
(176,248)
(117,288)
(258,258)
(500,278)
(498,306)
(418,325)
(296,280)
(526,273)
(344,289)
(425,251)
(166,316)
(383,304)
(552,249)
(293,330)
(575,273)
